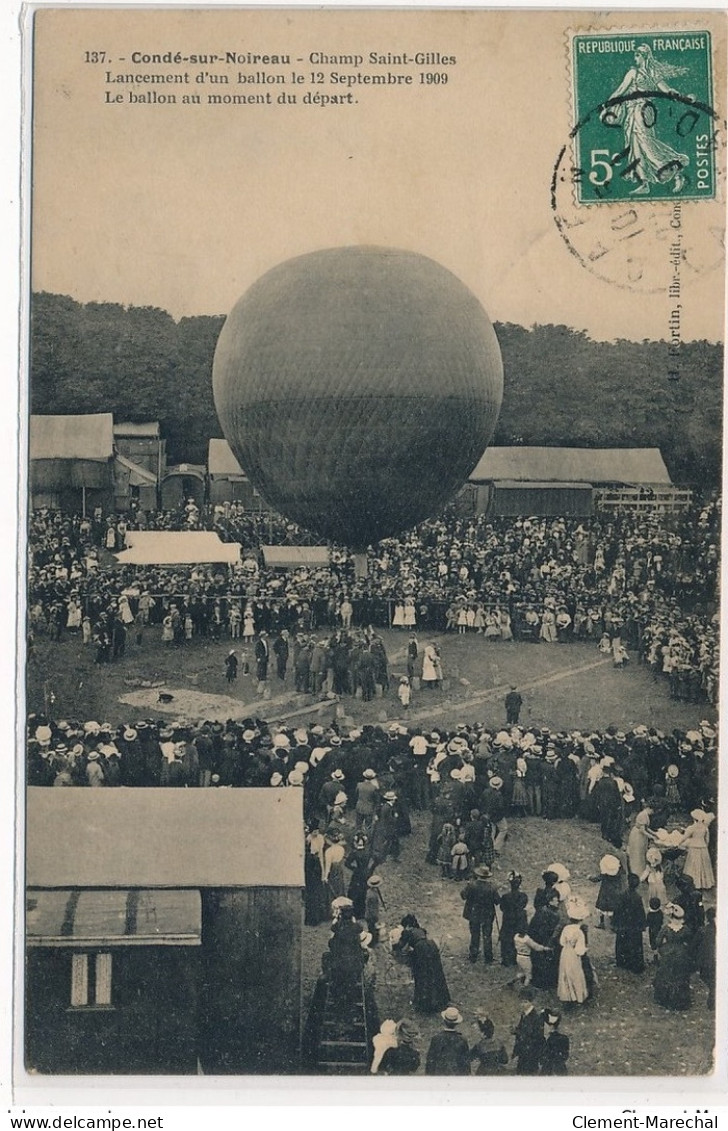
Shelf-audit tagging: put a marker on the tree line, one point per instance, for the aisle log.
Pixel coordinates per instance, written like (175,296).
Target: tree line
(561,387)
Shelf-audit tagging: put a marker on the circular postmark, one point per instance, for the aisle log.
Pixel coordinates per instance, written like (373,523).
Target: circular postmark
(637,190)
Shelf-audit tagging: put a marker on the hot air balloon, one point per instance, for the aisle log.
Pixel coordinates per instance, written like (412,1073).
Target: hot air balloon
(358,387)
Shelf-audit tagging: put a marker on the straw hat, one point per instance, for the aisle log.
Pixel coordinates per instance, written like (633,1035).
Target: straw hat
(609,865)
(576,908)
(451,1016)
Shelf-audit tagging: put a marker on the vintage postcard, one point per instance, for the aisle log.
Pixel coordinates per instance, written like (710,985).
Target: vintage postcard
(371,615)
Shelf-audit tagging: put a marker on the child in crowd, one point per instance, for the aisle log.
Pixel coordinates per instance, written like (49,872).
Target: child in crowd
(445,842)
(524,945)
(655,920)
(654,875)
(460,856)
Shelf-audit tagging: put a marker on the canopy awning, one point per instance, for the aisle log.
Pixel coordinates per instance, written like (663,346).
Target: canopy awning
(177,547)
(294,557)
(119,917)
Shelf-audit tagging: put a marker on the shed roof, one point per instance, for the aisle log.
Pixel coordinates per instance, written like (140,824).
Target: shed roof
(163,838)
(138,476)
(146,428)
(88,437)
(133,917)
(177,547)
(521,484)
(221,461)
(576,465)
(288,557)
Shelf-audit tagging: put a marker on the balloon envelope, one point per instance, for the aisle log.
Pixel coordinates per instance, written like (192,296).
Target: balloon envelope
(358,387)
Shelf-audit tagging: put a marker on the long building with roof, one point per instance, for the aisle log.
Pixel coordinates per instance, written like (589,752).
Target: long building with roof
(570,481)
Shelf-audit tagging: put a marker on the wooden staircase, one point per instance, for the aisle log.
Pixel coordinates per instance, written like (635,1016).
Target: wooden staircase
(344,1046)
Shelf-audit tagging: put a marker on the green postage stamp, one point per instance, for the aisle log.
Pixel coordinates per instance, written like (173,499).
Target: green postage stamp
(643,116)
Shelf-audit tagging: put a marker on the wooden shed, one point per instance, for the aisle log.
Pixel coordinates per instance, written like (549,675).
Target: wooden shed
(559,481)
(72,462)
(140,463)
(227,482)
(163,930)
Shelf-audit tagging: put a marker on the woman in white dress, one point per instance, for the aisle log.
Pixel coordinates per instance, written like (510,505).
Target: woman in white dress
(125,612)
(410,613)
(504,621)
(248,624)
(431,668)
(697,860)
(572,980)
(398,618)
(73,618)
(638,842)
(492,626)
(548,627)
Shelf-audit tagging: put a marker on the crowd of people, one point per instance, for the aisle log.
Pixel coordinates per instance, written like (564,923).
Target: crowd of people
(645,585)
(361,786)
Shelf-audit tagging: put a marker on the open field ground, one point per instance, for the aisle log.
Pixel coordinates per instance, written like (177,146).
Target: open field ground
(563,686)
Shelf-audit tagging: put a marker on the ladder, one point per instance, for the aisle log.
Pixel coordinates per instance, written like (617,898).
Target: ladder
(344,1046)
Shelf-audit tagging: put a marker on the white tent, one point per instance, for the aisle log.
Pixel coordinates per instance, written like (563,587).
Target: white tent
(155,547)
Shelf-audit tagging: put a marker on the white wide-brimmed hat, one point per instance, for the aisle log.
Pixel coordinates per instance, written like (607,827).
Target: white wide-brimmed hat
(609,865)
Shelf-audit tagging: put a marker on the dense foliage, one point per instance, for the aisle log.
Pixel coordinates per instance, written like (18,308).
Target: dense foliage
(561,387)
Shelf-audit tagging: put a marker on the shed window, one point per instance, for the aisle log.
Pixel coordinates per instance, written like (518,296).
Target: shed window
(90,979)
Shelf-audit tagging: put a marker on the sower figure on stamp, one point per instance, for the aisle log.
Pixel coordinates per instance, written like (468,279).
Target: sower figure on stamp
(650,160)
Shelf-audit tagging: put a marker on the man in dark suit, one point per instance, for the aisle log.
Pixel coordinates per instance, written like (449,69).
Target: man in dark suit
(513,704)
(529,1035)
(481,899)
(281,649)
(448,1054)
(262,656)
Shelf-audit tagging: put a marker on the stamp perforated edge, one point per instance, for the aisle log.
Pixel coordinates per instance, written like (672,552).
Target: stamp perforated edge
(719,170)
